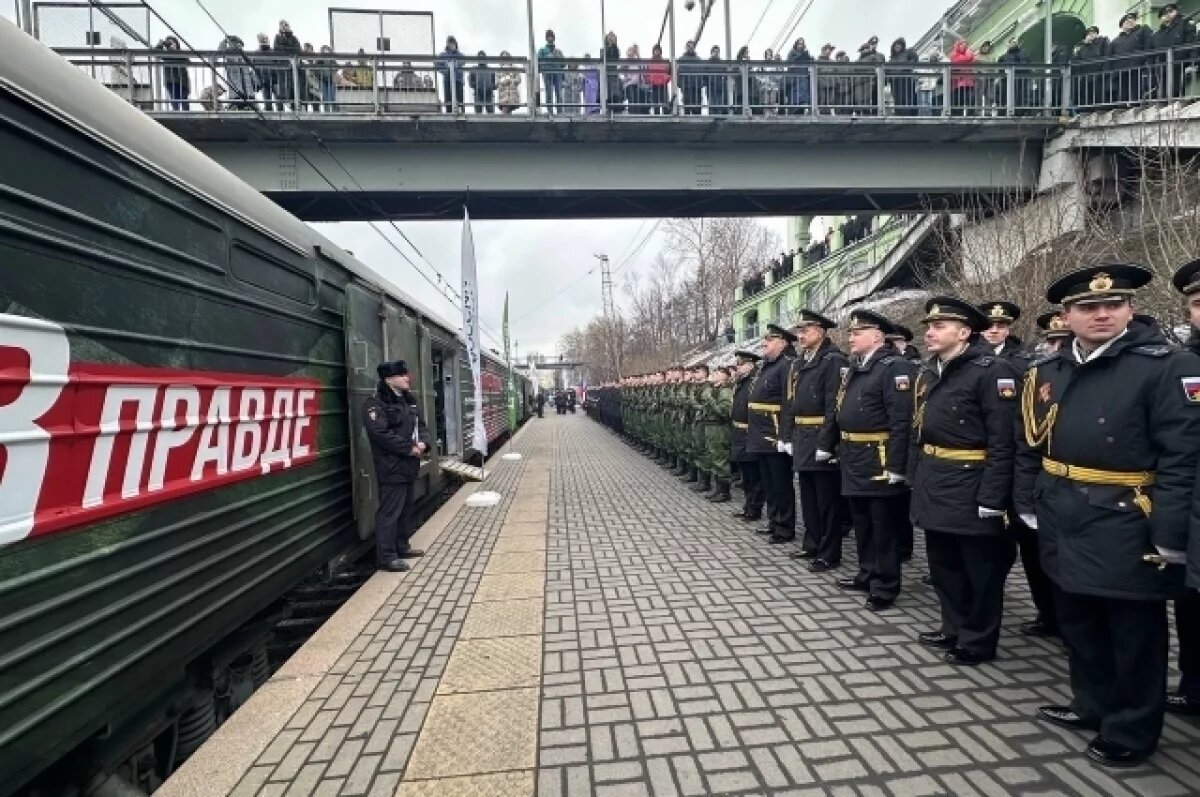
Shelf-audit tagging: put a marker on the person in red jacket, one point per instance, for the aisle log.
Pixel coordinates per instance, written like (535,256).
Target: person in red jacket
(962,79)
(658,79)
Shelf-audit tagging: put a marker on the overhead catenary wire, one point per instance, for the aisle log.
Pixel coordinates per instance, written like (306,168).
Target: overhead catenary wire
(782,41)
(441,286)
(573,283)
(761,17)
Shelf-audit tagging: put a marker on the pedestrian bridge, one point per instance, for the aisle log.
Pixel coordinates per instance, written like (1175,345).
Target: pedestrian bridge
(395,137)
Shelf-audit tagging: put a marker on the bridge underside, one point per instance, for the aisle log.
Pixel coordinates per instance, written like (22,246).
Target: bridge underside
(327,206)
(582,171)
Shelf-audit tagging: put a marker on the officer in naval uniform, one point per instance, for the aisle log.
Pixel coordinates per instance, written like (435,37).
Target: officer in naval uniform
(902,341)
(1054,330)
(743,460)
(874,418)
(767,394)
(1001,315)
(961,469)
(809,425)
(1186,699)
(1106,466)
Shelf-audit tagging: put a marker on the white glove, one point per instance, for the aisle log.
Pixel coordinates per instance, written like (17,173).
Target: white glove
(788,446)
(1172,557)
(894,478)
(823,456)
(1029,520)
(986,513)
(781,446)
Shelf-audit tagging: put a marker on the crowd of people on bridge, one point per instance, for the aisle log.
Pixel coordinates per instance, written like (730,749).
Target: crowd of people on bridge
(1082,455)
(1129,67)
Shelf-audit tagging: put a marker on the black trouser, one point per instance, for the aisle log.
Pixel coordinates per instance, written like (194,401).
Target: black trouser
(1118,657)
(875,532)
(904,526)
(821,509)
(752,486)
(1041,588)
(968,573)
(1187,626)
(780,494)
(393,524)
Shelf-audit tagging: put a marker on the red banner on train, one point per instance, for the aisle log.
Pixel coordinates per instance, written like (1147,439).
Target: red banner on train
(80,442)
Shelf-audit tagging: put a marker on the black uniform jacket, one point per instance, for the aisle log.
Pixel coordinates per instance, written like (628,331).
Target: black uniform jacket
(970,406)
(767,393)
(875,398)
(390,421)
(1193,566)
(740,415)
(811,395)
(1015,352)
(1133,408)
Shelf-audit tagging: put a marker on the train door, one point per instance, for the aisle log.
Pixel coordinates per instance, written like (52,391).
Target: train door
(364,351)
(448,407)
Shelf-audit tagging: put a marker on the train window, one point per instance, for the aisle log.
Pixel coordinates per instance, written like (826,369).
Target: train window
(271,274)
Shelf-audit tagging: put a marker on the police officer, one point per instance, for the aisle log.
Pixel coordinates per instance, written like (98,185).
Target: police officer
(1106,467)
(1186,700)
(961,469)
(809,425)
(1054,330)
(874,417)
(743,460)
(765,405)
(399,439)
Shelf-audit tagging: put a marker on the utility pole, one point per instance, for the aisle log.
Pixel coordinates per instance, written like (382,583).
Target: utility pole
(610,313)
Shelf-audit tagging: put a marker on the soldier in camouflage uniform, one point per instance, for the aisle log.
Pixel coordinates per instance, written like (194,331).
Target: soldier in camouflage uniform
(715,422)
(693,432)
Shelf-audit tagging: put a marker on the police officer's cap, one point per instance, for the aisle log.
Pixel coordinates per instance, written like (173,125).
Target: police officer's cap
(393,368)
(745,356)
(1052,325)
(1162,12)
(1000,311)
(1098,283)
(901,332)
(776,331)
(866,319)
(948,308)
(809,318)
(1125,16)
(1187,278)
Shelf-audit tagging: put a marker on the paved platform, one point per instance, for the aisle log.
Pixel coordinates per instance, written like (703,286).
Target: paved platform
(605,631)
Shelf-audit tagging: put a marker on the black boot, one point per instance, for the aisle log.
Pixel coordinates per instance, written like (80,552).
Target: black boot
(693,474)
(720,493)
(703,483)
(681,467)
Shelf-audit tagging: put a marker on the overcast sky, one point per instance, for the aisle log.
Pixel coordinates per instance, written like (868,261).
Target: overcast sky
(544,264)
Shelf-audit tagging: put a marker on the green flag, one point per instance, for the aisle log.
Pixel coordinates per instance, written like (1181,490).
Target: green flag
(510,385)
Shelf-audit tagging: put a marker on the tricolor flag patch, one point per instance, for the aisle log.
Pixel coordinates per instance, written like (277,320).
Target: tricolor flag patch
(902,383)
(1007,388)
(1191,388)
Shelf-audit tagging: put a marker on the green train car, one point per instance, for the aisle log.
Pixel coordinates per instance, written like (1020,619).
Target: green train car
(182,365)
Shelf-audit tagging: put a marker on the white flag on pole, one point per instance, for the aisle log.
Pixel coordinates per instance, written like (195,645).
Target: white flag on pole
(470,307)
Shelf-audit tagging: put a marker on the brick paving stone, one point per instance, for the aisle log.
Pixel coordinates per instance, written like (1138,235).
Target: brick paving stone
(740,672)
(678,654)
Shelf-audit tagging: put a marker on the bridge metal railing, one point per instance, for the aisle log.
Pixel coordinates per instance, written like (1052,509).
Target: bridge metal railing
(1145,78)
(327,83)
(405,85)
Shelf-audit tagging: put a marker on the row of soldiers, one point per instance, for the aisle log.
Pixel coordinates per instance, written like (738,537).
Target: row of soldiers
(1084,456)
